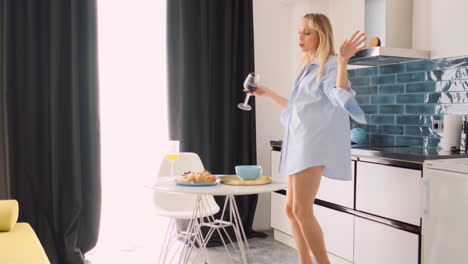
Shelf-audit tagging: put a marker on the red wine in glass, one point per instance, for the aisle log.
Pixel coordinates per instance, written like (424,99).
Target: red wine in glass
(250,84)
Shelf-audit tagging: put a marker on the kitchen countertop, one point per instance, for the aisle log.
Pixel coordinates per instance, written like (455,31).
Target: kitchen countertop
(406,156)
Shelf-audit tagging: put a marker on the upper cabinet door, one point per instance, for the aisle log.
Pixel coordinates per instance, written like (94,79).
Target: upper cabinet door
(390,192)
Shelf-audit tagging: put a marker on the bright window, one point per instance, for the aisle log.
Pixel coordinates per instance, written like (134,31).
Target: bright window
(133,109)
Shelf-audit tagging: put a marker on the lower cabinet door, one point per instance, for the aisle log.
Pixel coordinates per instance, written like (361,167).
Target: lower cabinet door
(279,219)
(378,243)
(338,228)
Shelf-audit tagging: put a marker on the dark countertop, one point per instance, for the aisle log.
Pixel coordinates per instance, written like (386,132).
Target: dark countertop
(406,156)
(276,143)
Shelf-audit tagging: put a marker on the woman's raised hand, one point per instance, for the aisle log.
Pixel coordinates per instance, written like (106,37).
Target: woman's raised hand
(352,45)
(260,91)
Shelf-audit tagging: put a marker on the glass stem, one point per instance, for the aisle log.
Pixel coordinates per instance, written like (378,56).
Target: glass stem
(172,168)
(247,97)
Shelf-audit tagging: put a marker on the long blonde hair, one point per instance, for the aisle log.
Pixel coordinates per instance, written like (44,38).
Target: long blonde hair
(322,24)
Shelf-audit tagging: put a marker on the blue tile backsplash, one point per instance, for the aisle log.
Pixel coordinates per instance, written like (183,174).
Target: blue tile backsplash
(401,100)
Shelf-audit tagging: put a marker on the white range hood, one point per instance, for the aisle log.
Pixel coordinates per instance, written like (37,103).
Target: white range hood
(392,22)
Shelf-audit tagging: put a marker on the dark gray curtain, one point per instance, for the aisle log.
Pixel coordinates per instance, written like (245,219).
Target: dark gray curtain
(5,186)
(49,67)
(210,52)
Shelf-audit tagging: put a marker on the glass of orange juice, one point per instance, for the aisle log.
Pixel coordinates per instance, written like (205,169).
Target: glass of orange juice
(173,154)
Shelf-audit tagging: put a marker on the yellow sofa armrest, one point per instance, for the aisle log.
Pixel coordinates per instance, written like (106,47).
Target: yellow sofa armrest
(8,214)
(21,246)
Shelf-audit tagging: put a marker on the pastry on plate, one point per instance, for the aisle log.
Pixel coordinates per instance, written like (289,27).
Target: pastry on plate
(197,177)
(187,177)
(204,177)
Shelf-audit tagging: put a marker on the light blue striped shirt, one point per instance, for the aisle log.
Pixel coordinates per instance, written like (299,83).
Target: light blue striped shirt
(316,121)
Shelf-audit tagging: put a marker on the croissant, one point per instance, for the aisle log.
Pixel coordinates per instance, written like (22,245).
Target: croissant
(187,177)
(204,177)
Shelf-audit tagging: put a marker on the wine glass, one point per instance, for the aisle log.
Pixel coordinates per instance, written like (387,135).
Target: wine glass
(250,84)
(173,154)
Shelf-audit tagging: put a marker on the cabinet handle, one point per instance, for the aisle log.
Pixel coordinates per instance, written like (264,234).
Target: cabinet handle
(426,197)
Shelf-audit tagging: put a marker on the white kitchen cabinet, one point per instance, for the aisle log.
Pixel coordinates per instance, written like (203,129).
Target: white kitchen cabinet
(338,231)
(279,219)
(336,191)
(445,230)
(338,227)
(389,192)
(333,191)
(378,243)
(275,161)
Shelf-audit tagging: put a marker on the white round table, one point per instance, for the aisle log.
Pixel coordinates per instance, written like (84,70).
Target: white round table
(168,184)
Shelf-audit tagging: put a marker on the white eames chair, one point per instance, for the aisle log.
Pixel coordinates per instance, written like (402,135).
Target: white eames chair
(181,207)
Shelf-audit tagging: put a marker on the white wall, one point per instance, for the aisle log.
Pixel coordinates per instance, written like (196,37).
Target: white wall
(449,36)
(422,14)
(439,26)
(272,26)
(346,17)
(276,56)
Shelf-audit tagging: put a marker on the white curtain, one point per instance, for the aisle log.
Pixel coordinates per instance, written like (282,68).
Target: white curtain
(132,74)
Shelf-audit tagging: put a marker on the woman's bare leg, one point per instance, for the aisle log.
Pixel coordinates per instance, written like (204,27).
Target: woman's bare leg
(305,186)
(302,247)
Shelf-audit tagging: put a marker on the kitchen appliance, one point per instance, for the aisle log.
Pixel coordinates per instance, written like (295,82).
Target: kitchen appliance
(451,132)
(445,212)
(392,23)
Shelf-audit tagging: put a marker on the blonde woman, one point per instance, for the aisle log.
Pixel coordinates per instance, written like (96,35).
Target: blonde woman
(316,140)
